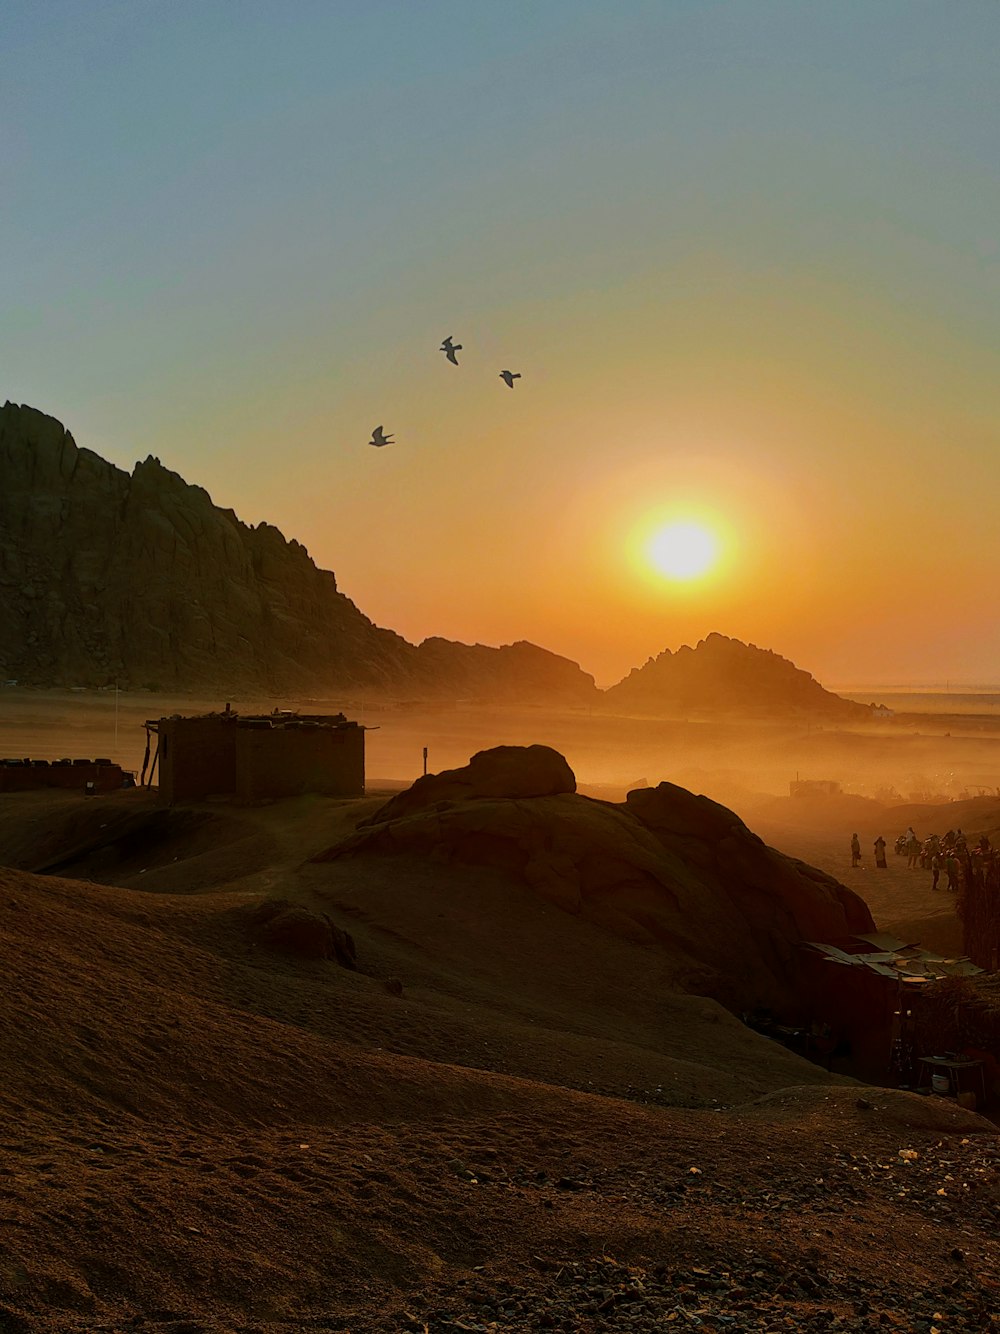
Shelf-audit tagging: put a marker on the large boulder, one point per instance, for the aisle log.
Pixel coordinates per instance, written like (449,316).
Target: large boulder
(764,883)
(504,771)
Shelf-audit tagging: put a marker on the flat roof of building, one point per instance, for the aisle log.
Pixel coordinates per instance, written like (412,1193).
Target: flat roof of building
(277,719)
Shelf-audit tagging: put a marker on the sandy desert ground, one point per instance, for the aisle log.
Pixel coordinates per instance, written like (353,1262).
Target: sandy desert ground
(500,1121)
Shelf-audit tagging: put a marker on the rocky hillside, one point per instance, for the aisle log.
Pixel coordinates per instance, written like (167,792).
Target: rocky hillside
(670,871)
(140,578)
(723,675)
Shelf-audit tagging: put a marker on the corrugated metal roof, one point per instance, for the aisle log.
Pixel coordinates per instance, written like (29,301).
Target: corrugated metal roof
(906,963)
(883,941)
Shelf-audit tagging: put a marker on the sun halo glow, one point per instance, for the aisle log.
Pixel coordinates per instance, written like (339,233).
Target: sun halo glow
(682,550)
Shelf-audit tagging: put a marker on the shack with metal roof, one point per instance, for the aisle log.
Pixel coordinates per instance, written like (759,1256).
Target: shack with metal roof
(254,757)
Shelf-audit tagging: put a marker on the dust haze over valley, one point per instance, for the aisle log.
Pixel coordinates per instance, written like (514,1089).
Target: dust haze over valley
(940,758)
(943,747)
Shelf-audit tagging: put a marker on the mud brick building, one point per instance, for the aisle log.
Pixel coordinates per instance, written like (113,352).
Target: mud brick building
(70,775)
(258,757)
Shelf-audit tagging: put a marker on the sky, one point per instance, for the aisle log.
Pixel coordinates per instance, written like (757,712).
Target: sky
(744,255)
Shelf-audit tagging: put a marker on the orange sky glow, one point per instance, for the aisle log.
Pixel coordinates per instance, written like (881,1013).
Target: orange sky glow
(745,259)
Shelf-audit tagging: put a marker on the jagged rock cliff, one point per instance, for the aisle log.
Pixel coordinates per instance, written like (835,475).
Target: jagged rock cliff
(723,675)
(141,579)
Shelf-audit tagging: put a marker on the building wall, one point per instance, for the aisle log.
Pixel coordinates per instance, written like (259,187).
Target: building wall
(69,777)
(285,762)
(197,757)
(814,787)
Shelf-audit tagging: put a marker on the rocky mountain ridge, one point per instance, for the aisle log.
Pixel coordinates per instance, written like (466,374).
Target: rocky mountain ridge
(139,578)
(721,675)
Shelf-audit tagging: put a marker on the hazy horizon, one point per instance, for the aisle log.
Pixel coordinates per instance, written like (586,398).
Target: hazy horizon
(744,258)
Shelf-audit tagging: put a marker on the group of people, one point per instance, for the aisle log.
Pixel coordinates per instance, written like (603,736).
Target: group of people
(952,854)
(949,853)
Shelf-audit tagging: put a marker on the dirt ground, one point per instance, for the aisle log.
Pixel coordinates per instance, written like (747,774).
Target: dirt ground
(901,898)
(499,1121)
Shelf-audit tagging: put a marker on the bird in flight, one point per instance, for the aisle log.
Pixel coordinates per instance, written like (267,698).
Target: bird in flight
(509,377)
(449,349)
(379,439)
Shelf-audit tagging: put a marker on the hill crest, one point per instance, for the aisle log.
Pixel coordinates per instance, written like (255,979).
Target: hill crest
(724,675)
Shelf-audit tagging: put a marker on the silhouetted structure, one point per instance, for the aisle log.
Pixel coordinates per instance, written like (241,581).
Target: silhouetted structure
(814,787)
(69,775)
(258,756)
(978,907)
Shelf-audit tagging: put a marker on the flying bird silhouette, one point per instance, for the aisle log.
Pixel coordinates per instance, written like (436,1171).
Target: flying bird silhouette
(449,349)
(379,439)
(509,377)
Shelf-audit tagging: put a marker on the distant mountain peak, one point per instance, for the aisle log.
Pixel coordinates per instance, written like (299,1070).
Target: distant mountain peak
(724,675)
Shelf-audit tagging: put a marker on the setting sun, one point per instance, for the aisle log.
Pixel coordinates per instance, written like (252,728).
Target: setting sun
(682,550)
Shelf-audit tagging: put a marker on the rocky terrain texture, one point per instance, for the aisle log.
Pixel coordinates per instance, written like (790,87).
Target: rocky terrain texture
(490,1114)
(140,578)
(722,675)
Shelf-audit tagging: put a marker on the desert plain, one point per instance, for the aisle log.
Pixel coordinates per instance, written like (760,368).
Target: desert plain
(504,1116)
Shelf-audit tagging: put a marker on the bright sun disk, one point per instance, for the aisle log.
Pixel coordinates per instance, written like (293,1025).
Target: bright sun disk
(682,550)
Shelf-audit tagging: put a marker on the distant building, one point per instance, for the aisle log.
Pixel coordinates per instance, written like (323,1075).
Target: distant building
(91,776)
(882,711)
(814,787)
(259,756)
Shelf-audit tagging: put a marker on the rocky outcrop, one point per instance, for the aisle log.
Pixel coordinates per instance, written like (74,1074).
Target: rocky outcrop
(722,675)
(668,869)
(767,886)
(503,771)
(140,578)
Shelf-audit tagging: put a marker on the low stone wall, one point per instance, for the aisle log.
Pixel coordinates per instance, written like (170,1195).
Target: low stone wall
(72,777)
